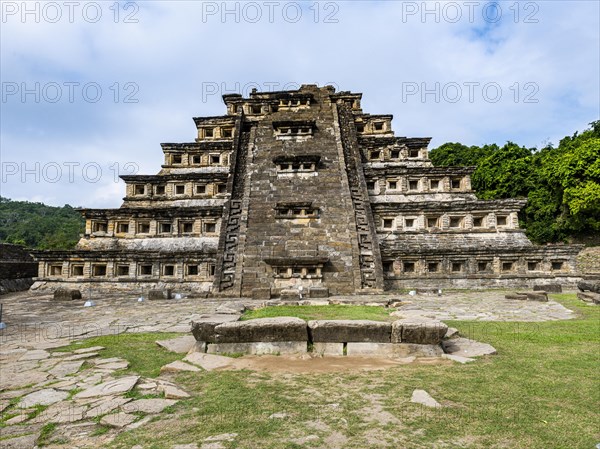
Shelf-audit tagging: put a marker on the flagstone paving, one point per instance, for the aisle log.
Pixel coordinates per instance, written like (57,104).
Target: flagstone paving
(77,388)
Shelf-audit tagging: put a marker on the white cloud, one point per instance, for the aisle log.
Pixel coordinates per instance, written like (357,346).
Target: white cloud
(372,49)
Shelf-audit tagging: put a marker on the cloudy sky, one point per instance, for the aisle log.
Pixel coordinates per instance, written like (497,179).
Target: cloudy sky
(90,89)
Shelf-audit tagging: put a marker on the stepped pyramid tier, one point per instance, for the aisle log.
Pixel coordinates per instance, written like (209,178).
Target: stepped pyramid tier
(303,190)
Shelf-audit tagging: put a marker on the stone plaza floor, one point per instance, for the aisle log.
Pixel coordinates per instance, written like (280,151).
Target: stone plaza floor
(36,321)
(34,376)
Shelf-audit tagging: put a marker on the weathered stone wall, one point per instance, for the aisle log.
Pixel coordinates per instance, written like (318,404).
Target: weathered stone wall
(16,262)
(17,268)
(589,261)
(464,282)
(200,289)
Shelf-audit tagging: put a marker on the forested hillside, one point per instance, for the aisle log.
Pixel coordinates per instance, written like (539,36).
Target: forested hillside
(36,225)
(562,184)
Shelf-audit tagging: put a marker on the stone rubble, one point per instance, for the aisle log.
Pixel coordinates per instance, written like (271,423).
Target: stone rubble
(180,345)
(178,366)
(424,398)
(465,347)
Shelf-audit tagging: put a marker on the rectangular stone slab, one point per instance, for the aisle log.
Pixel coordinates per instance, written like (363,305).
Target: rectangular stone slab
(65,294)
(289,294)
(328,349)
(318,292)
(262,330)
(259,348)
(589,297)
(418,331)
(394,350)
(548,288)
(204,328)
(344,331)
(535,296)
(204,331)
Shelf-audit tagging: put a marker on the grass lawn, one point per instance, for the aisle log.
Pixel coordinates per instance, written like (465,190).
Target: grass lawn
(145,357)
(542,390)
(330,312)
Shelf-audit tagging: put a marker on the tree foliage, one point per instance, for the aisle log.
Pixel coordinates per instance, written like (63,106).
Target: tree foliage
(38,226)
(562,184)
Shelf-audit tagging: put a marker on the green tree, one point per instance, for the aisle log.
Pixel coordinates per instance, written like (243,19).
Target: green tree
(562,184)
(38,226)
(504,173)
(456,154)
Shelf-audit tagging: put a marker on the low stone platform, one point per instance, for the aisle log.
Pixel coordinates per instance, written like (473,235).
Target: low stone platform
(289,335)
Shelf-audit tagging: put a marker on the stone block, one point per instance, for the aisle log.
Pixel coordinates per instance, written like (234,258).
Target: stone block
(159,294)
(65,294)
(590,297)
(419,331)
(203,329)
(344,331)
(538,297)
(520,297)
(393,350)
(327,349)
(262,330)
(549,288)
(370,349)
(318,292)
(593,286)
(259,348)
(535,296)
(313,302)
(289,294)
(261,293)
(199,346)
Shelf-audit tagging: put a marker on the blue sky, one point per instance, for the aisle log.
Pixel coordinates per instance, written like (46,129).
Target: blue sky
(473,72)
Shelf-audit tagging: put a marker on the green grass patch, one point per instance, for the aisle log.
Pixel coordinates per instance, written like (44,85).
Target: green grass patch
(145,357)
(100,430)
(37,410)
(45,434)
(330,312)
(233,355)
(137,394)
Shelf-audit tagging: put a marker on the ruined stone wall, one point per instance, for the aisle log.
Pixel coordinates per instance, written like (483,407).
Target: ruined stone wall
(129,269)
(589,261)
(17,268)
